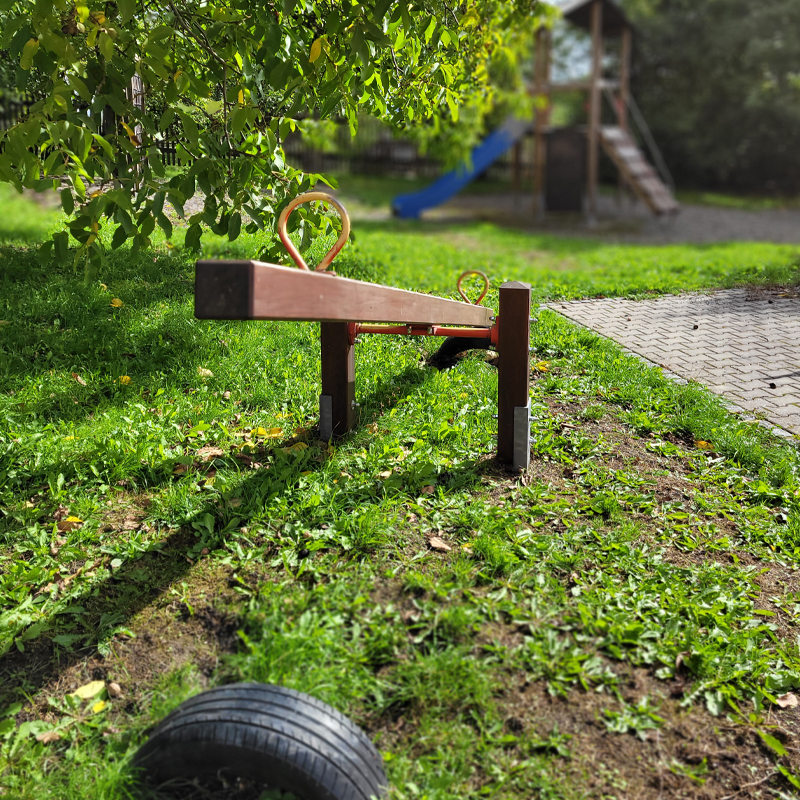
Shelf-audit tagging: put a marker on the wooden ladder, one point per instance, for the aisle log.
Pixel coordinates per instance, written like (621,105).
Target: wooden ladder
(640,175)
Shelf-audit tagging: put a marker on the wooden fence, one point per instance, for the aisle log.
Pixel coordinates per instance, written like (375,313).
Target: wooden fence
(12,110)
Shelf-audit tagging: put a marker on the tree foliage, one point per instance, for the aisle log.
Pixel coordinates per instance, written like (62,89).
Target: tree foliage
(719,84)
(227,79)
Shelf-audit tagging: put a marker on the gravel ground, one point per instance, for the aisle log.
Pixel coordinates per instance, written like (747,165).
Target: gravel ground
(632,222)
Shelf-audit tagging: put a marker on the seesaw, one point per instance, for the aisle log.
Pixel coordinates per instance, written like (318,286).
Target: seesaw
(346,308)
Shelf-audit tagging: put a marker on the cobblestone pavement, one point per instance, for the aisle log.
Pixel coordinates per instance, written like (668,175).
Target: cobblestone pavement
(743,344)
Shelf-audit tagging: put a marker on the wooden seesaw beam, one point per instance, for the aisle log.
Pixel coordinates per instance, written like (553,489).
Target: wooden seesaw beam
(252,290)
(255,290)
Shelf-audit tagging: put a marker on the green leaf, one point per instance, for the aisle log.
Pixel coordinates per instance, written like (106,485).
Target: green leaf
(146,227)
(127,8)
(189,128)
(106,45)
(774,744)
(791,777)
(193,234)
(103,142)
(381,9)
(67,201)
(234,225)
(119,238)
(161,32)
(61,247)
(164,224)
(238,121)
(80,87)
(7,726)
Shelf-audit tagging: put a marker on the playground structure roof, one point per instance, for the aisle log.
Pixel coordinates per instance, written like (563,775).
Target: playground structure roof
(579,12)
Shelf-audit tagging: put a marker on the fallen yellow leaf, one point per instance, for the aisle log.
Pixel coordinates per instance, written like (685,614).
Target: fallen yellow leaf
(124,379)
(701,445)
(88,690)
(205,373)
(297,447)
(98,706)
(542,366)
(104,287)
(77,378)
(117,303)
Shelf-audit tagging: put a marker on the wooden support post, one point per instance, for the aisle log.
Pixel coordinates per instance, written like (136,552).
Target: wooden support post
(541,89)
(337,401)
(595,98)
(624,91)
(513,403)
(625,77)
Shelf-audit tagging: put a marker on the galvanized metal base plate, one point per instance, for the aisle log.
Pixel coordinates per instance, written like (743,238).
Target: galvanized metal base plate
(522,438)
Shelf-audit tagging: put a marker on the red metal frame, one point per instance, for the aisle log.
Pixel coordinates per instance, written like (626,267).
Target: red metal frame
(355,328)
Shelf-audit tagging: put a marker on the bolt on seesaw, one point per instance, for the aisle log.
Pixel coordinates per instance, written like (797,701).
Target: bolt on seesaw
(346,308)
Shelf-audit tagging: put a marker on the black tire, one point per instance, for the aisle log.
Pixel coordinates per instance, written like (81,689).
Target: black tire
(273,736)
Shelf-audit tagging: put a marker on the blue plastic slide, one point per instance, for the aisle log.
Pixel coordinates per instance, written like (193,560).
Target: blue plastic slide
(411,205)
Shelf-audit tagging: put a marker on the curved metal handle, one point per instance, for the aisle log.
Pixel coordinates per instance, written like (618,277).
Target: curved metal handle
(485,286)
(309,197)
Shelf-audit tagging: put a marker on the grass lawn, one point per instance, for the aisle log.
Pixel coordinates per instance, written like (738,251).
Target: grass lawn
(617,623)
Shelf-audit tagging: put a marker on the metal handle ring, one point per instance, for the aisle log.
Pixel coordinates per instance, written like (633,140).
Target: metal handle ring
(485,286)
(309,197)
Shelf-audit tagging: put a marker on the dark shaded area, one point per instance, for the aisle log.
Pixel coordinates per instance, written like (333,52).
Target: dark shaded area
(717,83)
(143,581)
(452,348)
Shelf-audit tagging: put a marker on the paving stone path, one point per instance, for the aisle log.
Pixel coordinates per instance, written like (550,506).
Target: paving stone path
(743,344)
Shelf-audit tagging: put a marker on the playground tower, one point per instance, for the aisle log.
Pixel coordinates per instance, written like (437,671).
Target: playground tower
(604,20)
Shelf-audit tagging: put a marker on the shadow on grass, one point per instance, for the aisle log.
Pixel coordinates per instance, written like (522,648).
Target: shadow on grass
(98,610)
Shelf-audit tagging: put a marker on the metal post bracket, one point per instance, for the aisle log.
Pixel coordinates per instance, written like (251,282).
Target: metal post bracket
(522,438)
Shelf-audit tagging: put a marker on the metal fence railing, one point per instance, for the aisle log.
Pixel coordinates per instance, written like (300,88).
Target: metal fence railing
(375,151)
